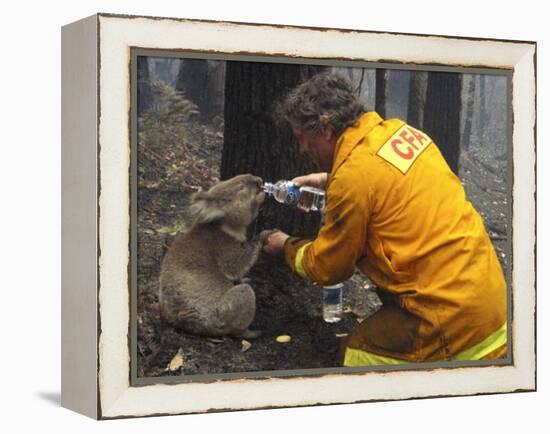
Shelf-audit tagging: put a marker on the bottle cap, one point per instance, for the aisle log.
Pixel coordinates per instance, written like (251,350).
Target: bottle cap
(335,286)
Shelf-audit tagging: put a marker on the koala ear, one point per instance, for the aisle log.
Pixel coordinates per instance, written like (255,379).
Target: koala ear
(204,210)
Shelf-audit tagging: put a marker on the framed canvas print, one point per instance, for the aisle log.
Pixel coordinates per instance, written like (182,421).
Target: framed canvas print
(260,216)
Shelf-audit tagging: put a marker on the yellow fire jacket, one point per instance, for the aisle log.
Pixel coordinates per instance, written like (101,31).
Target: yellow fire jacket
(395,210)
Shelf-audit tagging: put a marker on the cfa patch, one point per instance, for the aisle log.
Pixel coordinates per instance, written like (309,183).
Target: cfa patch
(404,147)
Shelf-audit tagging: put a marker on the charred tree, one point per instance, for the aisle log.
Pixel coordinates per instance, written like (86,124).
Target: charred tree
(417,98)
(145,97)
(357,82)
(381,98)
(482,99)
(398,94)
(359,89)
(254,144)
(469,112)
(442,114)
(484,113)
(202,82)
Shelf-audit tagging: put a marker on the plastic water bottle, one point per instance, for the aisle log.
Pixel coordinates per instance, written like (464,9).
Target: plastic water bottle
(305,198)
(332,303)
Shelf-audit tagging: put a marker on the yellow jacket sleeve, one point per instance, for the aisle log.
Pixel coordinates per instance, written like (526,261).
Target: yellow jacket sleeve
(332,256)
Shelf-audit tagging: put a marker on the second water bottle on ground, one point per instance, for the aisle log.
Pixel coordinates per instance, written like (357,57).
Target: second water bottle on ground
(332,302)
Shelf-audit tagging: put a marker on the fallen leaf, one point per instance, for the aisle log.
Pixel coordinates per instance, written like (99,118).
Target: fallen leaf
(176,362)
(341,335)
(215,340)
(245,345)
(171,230)
(283,339)
(151,184)
(360,320)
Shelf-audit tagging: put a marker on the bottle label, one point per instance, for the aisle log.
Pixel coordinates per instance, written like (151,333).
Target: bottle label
(293,195)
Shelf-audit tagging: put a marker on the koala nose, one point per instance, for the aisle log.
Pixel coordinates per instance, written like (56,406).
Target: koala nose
(258,181)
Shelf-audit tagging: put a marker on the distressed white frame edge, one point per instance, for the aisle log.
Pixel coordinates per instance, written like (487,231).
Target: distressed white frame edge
(79,382)
(116,36)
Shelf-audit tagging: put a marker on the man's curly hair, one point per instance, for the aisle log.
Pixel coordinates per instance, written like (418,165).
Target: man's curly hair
(323,95)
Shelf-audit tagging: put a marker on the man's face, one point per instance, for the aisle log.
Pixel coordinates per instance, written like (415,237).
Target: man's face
(318,147)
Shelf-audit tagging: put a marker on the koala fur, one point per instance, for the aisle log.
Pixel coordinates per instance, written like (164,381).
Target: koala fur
(202,290)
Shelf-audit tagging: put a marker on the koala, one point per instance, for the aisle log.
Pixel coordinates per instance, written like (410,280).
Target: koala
(202,285)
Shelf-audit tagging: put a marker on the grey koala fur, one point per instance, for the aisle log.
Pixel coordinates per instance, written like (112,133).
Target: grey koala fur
(202,290)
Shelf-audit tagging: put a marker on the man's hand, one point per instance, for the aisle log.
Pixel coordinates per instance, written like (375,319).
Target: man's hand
(274,242)
(264,235)
(317,180)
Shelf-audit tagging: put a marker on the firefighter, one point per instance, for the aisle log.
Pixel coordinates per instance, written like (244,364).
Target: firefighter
(395,210)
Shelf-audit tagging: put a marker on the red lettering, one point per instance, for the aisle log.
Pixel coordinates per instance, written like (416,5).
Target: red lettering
(409,139)
(418,136)
(406,156)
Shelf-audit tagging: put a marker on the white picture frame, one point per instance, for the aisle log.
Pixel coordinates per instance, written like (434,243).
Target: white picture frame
(96,134)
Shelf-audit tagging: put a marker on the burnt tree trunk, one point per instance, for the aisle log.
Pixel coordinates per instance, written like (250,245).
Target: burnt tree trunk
(469,113)
(253,143)
(483,112)
(482,99)
(442,114)
(417,99)
(359,87)
(201,81)
(145,96)
(381,98)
